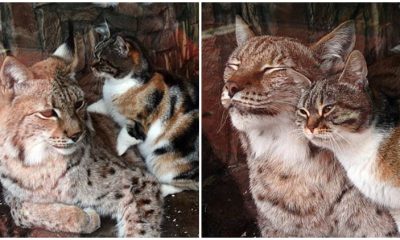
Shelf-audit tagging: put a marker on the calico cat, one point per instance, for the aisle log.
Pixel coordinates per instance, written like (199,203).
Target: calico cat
(156,110)
(53,174)
(300,190)
(340,114)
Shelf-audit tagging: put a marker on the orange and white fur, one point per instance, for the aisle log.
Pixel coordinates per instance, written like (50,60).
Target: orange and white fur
(340,114)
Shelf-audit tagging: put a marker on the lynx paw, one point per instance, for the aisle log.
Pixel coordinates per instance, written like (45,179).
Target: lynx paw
(93,221)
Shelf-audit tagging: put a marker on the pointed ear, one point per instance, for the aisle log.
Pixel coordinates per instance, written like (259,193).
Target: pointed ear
(299,78)
(332,50)
(103,30)
(123,47)
(355,71)
(13,72)
(242,30)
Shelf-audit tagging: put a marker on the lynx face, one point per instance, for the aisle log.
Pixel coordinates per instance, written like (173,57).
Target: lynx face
(46,115)
(265,75)
(261,78)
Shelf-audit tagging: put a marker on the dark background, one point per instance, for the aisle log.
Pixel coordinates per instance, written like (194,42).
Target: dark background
(228,209)
(168,31)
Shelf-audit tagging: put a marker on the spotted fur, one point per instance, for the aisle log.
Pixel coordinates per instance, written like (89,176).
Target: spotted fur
(300,190)
(156,110)
(53,174)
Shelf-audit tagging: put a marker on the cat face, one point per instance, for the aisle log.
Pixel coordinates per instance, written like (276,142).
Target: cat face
(264,75)
(334,108)
(43,115)
(117,57)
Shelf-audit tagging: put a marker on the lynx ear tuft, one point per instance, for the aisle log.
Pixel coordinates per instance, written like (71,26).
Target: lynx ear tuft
(333,49)
(14,72)
(242,30)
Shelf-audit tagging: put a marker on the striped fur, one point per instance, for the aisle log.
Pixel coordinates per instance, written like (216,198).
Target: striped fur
(156,110)
(354,128)
(300,190)
(54,175)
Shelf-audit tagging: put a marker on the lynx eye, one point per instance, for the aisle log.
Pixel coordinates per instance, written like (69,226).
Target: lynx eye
(49,113)
(79,104)
(303,112)
(327,109)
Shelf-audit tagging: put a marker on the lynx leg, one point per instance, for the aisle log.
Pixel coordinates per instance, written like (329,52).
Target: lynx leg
(54,216)
(142,214)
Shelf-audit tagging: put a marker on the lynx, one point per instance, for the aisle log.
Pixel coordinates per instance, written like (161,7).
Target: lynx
(300,190)
(53,174)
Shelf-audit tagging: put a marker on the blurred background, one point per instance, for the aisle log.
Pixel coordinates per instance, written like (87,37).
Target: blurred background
(168,31)
(228,209)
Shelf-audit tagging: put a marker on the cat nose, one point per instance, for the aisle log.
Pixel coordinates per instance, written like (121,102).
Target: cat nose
(232,88)
(311,128)
(75,136)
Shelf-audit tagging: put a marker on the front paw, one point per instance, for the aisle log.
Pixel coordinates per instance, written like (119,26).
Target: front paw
(93,222)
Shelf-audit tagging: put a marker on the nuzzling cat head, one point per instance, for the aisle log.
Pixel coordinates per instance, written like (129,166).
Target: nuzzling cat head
(118,56)
(264,75)
(45,112)
(338,106)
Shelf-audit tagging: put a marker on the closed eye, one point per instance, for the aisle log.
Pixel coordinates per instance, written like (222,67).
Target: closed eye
(270,69)
(233,66)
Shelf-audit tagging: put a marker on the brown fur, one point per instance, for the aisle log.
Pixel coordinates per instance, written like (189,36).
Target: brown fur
(300,190)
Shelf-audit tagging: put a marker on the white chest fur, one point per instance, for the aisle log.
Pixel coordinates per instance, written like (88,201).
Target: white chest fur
(278,142)
(359,158)
(113,88)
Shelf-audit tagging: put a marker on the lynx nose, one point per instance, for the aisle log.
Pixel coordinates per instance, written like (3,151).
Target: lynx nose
(232,88)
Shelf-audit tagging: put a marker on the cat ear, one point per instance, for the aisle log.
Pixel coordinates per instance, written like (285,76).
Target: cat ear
(123,46)
(332,50)
(103,30)
(14,72)
(355,72)
(242,30)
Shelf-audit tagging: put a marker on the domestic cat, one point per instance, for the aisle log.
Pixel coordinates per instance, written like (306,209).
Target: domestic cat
(340,114)
(299,189)
(156,110)
(53,175)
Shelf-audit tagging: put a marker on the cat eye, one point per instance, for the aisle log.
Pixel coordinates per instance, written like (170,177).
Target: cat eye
(326,109)
(49,113)
(303,112)
(79,104)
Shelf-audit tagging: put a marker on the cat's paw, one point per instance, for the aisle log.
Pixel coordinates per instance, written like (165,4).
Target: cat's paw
(98,107)
(169,189)
(93,221)
(124,141)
